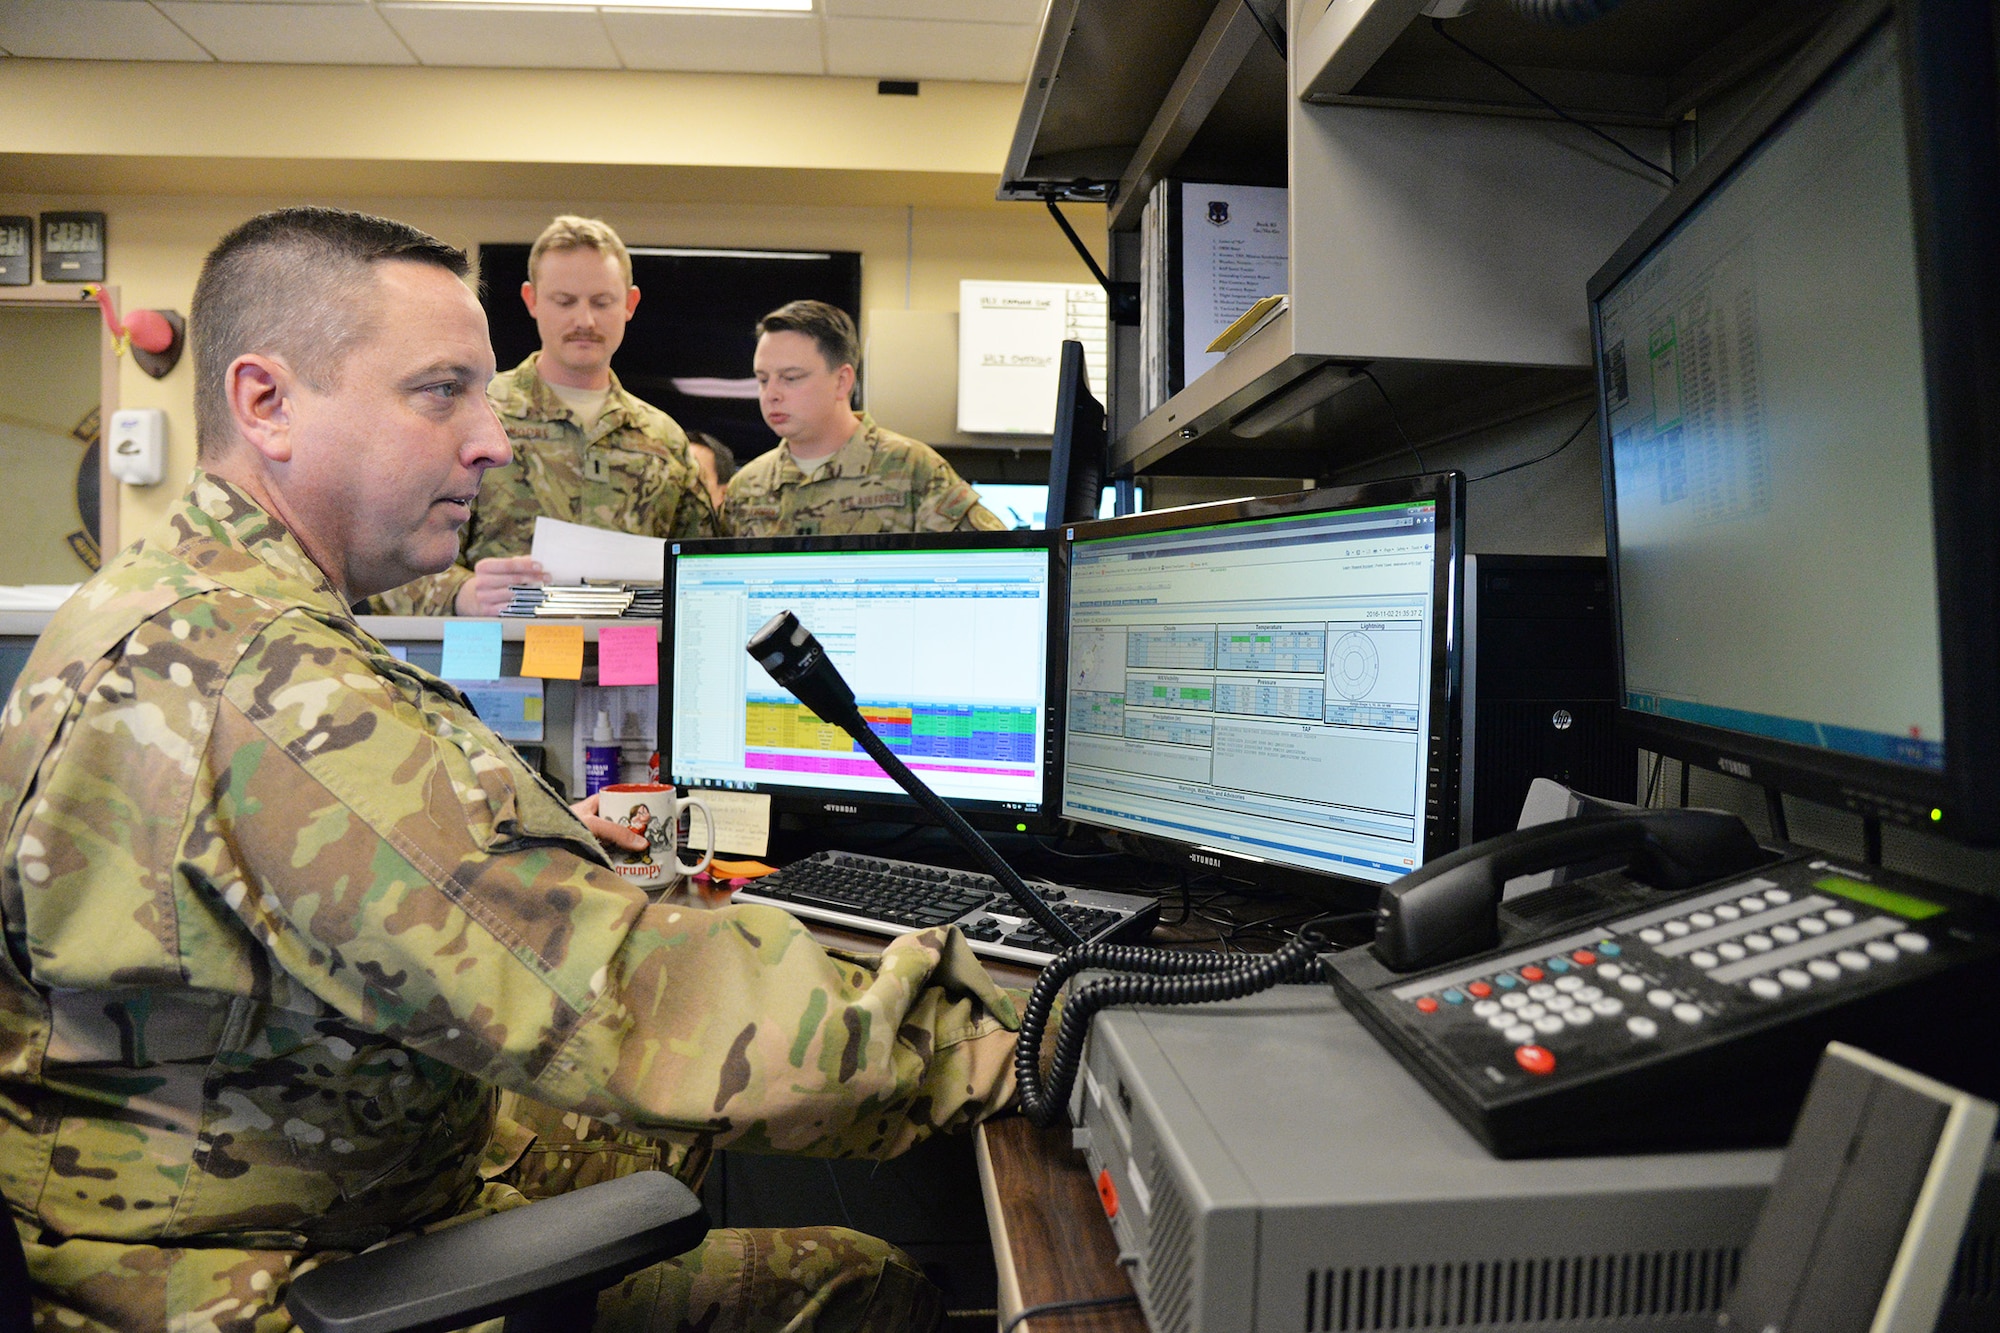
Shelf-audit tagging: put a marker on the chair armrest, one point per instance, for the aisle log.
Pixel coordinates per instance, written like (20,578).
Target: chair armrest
(576,1243)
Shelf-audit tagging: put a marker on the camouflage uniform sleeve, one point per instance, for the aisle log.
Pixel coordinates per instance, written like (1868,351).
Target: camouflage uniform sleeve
(401,864)
(696,515)
(949,503)
(432,595)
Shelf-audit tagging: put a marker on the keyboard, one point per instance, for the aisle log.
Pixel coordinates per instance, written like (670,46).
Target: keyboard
(878,896)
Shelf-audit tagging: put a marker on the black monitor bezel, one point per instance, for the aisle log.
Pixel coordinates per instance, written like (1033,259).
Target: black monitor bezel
(1441,817)
(1077,447)
(1946,54)
(885,806)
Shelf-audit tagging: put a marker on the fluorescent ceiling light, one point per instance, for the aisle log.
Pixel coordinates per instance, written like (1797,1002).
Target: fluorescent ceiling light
(655,6)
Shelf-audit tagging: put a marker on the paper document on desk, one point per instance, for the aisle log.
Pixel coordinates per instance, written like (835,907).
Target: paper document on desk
(742,820)
(571,553)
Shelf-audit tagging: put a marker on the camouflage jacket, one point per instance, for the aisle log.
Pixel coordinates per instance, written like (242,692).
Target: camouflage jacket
(279,912)
(879,482)
(630,472)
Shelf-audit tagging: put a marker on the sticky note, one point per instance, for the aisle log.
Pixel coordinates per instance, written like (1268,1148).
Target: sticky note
(471,650)
(628,655)
(553,652)
(742,820)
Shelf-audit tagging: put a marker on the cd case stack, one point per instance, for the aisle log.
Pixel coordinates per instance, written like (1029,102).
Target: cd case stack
(586,601)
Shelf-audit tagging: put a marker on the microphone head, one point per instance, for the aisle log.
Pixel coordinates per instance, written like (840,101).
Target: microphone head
(791,655)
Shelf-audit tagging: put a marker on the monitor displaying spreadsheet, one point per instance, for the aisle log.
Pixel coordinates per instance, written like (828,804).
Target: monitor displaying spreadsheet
(945,640)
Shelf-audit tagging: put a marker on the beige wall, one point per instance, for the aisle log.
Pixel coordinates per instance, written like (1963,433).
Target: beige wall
(911,257)
(490,155)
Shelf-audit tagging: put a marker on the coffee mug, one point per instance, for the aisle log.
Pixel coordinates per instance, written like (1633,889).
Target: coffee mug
(654,810)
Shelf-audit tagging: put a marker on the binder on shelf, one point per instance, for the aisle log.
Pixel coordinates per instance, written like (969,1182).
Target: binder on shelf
(1208,253)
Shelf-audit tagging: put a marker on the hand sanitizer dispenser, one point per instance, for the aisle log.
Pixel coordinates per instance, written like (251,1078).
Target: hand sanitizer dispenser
(136,445)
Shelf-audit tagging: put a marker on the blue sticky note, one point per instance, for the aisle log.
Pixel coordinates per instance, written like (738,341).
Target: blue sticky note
(471,650)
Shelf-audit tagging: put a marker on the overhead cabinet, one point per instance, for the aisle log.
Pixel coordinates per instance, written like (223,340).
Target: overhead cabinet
(1441,246)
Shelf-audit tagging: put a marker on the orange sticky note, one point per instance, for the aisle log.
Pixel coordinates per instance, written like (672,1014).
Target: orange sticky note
(553,652)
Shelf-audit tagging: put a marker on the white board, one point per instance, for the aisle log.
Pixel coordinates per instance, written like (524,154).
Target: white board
(1010,337)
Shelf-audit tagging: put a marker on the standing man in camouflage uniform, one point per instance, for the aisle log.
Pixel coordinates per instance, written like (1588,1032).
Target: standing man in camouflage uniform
(585,451)
(278,912)
(834,469)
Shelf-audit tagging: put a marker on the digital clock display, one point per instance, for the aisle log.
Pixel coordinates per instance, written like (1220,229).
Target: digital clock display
(13,240)
(17,244)
(72,236)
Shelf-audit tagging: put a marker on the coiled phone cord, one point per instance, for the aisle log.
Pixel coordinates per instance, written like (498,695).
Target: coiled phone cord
(1150,976)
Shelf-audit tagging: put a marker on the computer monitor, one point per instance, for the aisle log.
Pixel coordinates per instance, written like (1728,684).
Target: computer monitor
(946,639)
(1799,368)
(1077,451)
(1026,504)
(1269,688)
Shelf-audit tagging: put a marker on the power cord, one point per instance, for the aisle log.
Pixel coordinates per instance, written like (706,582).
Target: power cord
(1394,420)
(1065,1307)
(1516,467)
(1437,25)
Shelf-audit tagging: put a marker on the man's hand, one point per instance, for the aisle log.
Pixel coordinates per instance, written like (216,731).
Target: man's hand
(615,835)
(485,593)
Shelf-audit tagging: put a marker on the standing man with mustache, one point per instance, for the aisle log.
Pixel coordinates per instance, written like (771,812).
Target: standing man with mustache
(585,450)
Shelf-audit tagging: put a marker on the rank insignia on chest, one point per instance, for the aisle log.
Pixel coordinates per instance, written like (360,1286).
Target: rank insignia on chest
(597,467)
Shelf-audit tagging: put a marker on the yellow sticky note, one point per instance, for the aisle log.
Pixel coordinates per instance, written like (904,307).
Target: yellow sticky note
(553,652)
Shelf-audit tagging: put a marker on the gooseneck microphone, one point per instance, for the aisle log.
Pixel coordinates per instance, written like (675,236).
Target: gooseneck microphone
(794,658)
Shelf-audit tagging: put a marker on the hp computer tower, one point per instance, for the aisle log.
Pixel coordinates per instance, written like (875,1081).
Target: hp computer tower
(1541,687)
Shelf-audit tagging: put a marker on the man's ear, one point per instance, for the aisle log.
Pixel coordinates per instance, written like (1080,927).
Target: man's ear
(631,301)
(259,392)
(528,298)
(844,379)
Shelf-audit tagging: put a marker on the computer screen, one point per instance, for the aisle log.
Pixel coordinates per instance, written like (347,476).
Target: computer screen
(1769,454)
(1024,505)
(944,638)
(1271,682)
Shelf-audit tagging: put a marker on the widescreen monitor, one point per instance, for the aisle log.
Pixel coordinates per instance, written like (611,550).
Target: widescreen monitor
(945,638)
(1796,372)
(1077,449)
(1268,688)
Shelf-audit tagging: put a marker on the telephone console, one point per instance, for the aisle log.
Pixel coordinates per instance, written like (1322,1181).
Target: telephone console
(1647,1021)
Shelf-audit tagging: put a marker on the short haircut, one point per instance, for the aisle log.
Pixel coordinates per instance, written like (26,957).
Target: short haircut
(570,232)
(827,325)
(725,457)
(296,284)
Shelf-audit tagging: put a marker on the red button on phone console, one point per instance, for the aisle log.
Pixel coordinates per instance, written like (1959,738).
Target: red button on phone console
(1535,1059)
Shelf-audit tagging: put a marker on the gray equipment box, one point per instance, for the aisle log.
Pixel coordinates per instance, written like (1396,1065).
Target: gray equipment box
(1274,1169)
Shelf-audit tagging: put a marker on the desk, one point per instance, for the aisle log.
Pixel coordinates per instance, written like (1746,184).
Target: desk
(1050,1240)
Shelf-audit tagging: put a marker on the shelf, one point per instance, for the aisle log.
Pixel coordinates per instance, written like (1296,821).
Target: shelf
(1648,62)
(1124,92)
(1269,410)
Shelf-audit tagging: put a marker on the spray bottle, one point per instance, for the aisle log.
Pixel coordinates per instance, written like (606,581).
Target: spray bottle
(600,757)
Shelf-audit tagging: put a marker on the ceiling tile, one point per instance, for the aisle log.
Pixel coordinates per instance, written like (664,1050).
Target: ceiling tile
(290,34)
(737,43)
(503,35)
(955,11)
(93,30)
(920,49)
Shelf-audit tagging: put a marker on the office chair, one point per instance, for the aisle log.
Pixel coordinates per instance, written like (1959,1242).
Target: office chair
(540,1266)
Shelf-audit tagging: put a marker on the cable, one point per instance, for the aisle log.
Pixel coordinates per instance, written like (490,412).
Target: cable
(1438,26)
(1871,845)
(1774,806)
(1684,783)
(1147,976)
(1651,780)
(1516,467)
(1394,420)
(1063,1307)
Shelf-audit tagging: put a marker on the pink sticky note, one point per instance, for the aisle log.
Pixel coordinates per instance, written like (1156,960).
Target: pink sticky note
(628,655)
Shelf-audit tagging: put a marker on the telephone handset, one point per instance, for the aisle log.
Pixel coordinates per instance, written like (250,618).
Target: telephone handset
(1690,1013)
(1451,907)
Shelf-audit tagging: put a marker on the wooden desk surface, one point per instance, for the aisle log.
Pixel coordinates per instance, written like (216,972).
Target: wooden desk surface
(1050,1239)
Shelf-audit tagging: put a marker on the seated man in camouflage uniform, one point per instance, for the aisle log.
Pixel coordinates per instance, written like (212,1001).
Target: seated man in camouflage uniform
(585,450)
(834,469)
(279,913)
